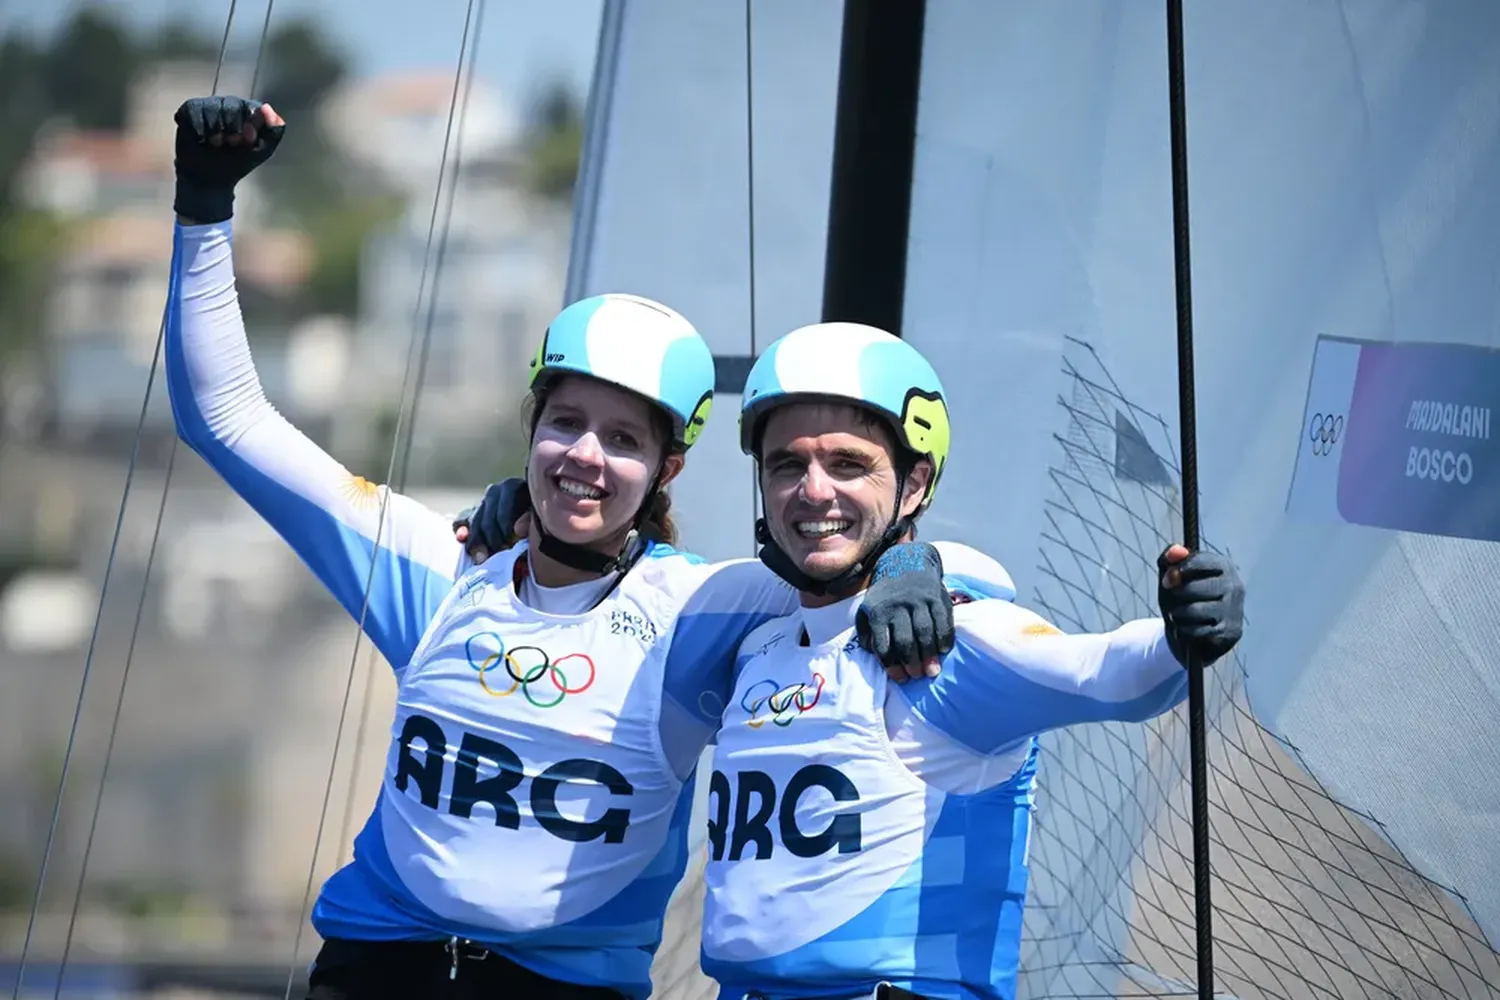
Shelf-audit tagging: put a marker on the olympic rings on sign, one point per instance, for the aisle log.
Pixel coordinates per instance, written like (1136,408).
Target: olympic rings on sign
(785,703)
(1324,432)
(523,676)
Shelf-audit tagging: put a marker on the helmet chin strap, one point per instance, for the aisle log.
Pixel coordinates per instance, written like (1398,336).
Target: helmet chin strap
(589,560)
(847,583)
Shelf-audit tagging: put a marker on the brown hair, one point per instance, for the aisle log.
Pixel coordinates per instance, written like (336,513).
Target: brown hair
(656,523)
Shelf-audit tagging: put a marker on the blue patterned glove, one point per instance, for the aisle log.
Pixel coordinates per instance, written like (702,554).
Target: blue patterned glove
(907,616)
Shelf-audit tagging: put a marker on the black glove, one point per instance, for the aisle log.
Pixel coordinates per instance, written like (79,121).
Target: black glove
(493,522)
(1204,614)
(907,616)
(206,173)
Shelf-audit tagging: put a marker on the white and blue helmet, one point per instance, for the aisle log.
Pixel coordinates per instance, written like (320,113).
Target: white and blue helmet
(637,344)
(852,363)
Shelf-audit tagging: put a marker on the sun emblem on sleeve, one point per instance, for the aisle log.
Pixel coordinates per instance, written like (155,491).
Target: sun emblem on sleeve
(362,493)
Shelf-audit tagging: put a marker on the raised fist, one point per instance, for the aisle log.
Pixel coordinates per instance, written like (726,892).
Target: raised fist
(219,141)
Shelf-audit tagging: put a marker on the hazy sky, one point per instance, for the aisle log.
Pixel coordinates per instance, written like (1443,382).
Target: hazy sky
(520,41)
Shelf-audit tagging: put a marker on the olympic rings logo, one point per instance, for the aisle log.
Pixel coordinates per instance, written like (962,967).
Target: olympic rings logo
(524,667)
(785,703)
(1324,432)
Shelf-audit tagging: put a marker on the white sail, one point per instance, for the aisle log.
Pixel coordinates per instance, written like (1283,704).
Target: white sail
(1344,159)
(663,209)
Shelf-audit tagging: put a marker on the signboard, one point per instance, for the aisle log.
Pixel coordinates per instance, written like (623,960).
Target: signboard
(1400,436)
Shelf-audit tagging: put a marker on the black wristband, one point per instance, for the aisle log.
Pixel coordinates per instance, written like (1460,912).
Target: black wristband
(203,205)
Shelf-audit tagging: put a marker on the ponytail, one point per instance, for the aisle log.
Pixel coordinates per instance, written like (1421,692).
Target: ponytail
(657,524)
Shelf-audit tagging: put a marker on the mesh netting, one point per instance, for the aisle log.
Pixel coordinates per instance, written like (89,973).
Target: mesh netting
(1310,900)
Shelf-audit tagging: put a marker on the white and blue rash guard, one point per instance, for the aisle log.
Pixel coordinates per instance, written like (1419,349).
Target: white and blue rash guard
(861,831)
(532,797)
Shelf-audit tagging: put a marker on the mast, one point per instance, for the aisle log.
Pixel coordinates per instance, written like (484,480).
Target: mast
(874,145)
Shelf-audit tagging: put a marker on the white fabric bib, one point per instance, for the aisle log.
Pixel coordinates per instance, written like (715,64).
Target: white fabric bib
(806,789)
(567,786)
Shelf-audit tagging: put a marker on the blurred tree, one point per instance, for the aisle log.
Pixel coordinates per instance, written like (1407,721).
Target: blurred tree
(20,71)
(307,180)
(87,70)
(301,67)
(339,234)
(84,73)
(139,898)
(23,106)
(17,882)
(554,141)
(30,242)
(180,39)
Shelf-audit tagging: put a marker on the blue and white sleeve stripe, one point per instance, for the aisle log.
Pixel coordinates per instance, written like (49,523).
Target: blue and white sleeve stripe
(1012,676)
(973,574)
(720,605)
(332,519)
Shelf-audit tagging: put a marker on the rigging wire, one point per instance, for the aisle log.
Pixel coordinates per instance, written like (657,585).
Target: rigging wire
(755,498)
(470,19)
(345,842)
(260,50)
(468,47)
(140,608)
(88,662)
(114,724)
(1187,421)
(399,478)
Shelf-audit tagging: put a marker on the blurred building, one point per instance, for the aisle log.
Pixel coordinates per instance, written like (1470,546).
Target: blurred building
(239,664)
(474,267)
(114,191)
(414,107)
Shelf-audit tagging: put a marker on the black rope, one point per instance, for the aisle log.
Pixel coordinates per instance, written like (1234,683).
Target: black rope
(1187,421)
